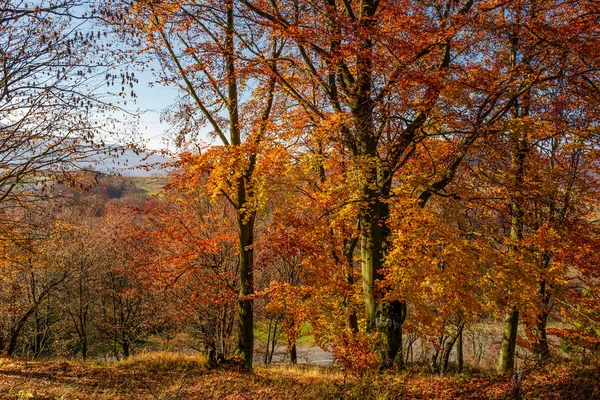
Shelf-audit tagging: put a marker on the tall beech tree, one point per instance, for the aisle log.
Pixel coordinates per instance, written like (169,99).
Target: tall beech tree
(386,99)
(225,70)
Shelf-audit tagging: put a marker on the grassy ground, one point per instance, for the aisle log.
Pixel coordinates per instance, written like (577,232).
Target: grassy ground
(149,185)
(261,333)
(176,376)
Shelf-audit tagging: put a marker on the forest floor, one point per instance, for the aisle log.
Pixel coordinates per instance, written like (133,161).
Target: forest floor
(176,376)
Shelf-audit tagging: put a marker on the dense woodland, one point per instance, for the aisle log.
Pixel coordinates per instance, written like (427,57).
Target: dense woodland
(399,182)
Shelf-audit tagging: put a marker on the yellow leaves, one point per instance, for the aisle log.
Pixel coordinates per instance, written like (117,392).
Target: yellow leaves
(530,128)
(434,266)
(244,174)
(154,15)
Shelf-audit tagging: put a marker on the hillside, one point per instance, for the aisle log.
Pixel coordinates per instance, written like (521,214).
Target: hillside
(126,162)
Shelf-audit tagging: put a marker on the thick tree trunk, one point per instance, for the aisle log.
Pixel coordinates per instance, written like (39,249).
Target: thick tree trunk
(396,313)
(245,345)
(211,349)
(363,106)
(371,246)
(353,321)
(540,347)
(517,164)
(448,349)
(245,217)
(509,342)
(460,363)
(388,319)
(511,321)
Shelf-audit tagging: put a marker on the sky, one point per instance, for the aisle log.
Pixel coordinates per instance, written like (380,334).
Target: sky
(151,102)
(152,98)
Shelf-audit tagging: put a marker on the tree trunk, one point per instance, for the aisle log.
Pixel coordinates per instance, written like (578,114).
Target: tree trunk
(37,335)
(268,347)
(245,346)
(388,319)
(293,354)
(126,348)
(84,332)
(245,217)
(272,342)
(448,350)
(396,312)
(509,342)
(438,355)
(540,347)
(349,247)
(459,353)
(211,349)
(353,321)
(12,341)
(517,174)
(84,347)
(371,247)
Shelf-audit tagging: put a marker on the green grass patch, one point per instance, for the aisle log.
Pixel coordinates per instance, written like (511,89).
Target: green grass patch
(306,337)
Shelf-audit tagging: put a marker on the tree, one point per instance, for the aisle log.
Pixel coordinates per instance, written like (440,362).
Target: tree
(32,269)
(50,100)
(387,94)
(129,311)
(217,61)
(194,262)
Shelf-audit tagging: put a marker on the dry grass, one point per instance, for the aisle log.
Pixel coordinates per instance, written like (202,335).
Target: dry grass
(301,371)
(164,362)
(180,376)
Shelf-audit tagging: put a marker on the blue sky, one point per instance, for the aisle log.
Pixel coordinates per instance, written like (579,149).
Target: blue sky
(151,102)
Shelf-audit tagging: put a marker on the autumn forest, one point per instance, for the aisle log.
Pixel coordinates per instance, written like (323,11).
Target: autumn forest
(358,199)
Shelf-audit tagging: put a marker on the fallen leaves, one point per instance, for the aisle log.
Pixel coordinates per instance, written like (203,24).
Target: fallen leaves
(172,377)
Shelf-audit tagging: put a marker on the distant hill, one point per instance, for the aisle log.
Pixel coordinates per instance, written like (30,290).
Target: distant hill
(126,162)
(112,188)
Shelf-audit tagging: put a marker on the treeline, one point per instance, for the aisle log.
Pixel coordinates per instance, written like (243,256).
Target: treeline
(65,286)
(380,170)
